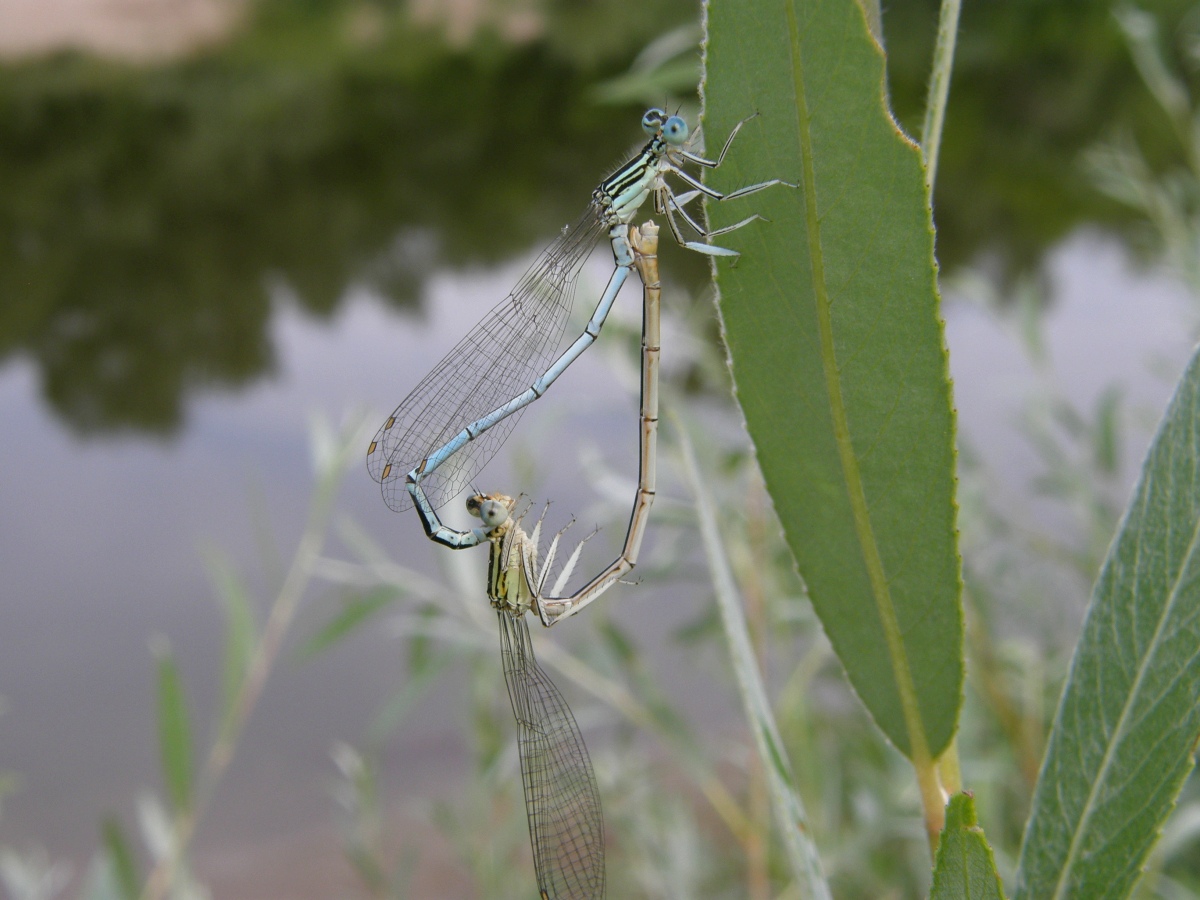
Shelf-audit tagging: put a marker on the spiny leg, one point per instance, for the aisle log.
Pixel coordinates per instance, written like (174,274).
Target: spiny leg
(698,246)
(713,163)
(672,203)
(714,194)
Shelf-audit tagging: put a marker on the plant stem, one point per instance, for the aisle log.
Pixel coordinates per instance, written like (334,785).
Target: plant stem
(939,88)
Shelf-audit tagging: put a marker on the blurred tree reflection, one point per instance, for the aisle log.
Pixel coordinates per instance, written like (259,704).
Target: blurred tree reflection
(1036,84)
(145,211)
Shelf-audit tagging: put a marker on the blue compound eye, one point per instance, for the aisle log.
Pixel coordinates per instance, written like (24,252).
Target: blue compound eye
(493,513)
(653,120)
(675,130)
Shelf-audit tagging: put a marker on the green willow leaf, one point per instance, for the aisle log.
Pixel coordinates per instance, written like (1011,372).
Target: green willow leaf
(1129,717)
(832,324)
(965,868)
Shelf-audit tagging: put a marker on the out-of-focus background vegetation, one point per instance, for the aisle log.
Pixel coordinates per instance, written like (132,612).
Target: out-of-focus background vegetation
(205,231)
(144,203)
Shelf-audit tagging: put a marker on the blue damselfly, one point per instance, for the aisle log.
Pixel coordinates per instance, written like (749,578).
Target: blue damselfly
(562,801)
(460,414)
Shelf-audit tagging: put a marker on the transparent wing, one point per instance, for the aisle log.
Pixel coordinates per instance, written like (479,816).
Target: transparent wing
(562,801)
(499,358)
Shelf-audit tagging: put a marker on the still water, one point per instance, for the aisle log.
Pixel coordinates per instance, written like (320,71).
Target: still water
(99,561)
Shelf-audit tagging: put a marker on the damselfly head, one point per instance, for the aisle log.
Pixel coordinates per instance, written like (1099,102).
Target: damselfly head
(492,509)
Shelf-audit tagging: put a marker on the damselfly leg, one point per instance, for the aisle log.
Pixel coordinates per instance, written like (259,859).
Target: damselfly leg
(562,800)
(460,414)
(548,603)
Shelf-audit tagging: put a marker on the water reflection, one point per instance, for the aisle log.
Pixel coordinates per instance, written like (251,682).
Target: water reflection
(149,207)
(146,209)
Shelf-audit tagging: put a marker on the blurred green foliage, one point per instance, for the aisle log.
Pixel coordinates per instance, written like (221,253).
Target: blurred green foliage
(146,210)
(1035,85)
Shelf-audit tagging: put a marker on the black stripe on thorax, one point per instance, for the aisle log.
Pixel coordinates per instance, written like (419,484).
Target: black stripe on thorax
(495,570)
(633,170)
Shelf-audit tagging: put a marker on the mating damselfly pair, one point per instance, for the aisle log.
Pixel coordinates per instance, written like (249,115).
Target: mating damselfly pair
(456,419)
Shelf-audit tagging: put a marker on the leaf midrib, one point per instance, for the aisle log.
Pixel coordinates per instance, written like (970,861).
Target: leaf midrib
(881,592)
(1126,710)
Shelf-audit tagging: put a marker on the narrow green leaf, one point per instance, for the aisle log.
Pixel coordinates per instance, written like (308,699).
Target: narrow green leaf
(618,642)
(965,868)
(241,633)
(1129,717)
(832,323)
(174,733)
(1107,438)
(354,613)
(398,705)
(120,859)
(423,651)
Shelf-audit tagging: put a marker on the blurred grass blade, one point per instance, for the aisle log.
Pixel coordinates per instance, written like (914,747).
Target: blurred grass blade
(241,634)
(356,612)
(785,798)
(965,868)
(174,733)
(668,65)
(32,875)
(388,719)
(1129,717)
(99,883)
(120,860)
(832,324)
(1106,438)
